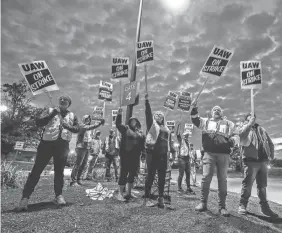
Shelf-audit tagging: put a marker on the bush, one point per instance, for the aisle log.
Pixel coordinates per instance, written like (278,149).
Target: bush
(12,176)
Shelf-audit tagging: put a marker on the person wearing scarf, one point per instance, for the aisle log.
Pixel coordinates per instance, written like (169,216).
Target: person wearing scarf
(184,160)
(257,149)
(54,143)
(83,146)
(131,146)
(218,137)
(158,146)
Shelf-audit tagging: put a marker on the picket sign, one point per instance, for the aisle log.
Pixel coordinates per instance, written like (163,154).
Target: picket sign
(215,65)
(251,78)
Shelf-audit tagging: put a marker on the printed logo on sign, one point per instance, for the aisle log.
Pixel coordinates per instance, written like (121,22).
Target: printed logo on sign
(171,125)
(114,117)
(105,91)
(188,128)
(184,101)
(170,100)
(251,77)
(217,61)
(120,67)
(145,52)
(38,77)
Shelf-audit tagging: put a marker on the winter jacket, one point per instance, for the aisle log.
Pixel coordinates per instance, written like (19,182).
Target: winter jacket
(83,131)
(256,143)
(218,135)
(131,141)
(158,139)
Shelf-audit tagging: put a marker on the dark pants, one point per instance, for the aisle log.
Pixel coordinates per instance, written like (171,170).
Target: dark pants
(254,171)
(184,166)
(81,161)
(129,163)
(111,159)
(155,162)
(59,150)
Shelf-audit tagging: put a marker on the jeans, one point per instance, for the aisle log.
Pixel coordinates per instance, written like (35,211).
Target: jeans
(254,171)
(88,169)
(57,149)
(81,161)
(155,162)
(129,165)
(184,166)
(111,159)
(221,161)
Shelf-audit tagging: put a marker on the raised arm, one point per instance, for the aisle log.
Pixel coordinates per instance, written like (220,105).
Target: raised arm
(121,128)
(178,134)
(46,116)
(74,128)
(94,126)
(198,121)
(148,113)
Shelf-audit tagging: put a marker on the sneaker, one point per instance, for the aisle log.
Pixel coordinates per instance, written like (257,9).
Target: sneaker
(130,196)
(265,209)
(23,204)
(224,212)
(242,210)
(201,207)
(180,191)
(148,202)
(161,203)
(120,198)
(190,191)
(74,184)
(60,200)
(79,182)
(89,178)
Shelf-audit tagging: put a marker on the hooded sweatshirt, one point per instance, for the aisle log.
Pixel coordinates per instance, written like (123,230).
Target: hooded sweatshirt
(131,140)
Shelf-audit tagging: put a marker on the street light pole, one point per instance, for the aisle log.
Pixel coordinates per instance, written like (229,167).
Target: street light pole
(129,108)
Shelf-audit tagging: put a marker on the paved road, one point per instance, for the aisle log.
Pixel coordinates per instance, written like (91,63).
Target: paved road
(274,188)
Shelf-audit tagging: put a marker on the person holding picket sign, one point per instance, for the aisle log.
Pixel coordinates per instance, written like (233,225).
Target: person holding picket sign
(258,150)
(218,138)
(83,146)
(54,143)
(158,144)
(131,146)
(184,160)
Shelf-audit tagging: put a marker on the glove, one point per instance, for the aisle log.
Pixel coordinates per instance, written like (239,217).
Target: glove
(146,96)
(102,121)
(194,111)
(119,111)
(231,142)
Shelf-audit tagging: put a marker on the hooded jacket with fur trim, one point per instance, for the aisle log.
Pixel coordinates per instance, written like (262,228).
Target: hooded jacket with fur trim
(159,138)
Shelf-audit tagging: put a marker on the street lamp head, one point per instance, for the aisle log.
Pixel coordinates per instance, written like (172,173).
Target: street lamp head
(176,5)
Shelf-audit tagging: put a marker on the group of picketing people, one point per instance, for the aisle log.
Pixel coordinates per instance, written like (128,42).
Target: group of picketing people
(219,136)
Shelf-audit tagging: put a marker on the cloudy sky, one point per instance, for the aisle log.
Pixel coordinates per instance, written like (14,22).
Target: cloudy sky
(78,38)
